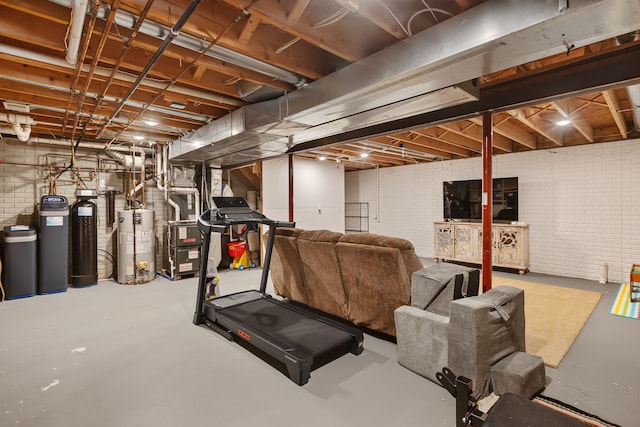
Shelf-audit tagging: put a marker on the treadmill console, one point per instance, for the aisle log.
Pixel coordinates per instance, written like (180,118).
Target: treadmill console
(235,210)
(231,202)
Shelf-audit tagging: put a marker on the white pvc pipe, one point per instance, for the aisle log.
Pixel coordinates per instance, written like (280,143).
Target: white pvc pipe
(128,161)
(16,119)
(22,134)
(78,13)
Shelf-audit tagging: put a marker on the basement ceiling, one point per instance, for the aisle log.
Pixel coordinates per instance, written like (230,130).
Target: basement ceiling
(400,81)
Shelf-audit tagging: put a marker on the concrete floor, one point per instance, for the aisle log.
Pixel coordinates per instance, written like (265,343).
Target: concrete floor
(114,355)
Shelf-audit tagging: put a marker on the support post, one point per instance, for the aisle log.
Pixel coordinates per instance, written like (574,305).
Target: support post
(290,187)
(487,199)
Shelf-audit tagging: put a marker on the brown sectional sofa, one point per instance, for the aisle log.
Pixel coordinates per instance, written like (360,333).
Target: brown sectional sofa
(361,278)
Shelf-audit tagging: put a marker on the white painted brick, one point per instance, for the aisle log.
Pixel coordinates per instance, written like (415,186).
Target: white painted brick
(580,202)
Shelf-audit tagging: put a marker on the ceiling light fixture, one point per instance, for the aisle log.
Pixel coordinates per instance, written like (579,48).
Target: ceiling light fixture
(177,105)
(151,122)
(563,122)
(138,137)
(364,155)
(322,158)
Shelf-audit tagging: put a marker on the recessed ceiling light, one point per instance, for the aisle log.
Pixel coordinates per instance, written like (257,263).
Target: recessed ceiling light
(563,122)
(151,122)
(138,137)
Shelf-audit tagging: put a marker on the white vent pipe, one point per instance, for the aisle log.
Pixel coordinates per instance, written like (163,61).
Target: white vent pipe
(17,121)
(78,13)
(128,161)
(21,133)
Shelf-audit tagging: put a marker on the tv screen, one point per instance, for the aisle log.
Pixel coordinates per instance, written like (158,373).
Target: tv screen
(463,200)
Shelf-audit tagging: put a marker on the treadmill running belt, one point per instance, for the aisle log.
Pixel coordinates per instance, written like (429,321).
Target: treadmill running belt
(288,326)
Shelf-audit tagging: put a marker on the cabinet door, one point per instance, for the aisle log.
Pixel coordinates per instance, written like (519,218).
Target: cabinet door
(465,242)
(509,250)
(444,241)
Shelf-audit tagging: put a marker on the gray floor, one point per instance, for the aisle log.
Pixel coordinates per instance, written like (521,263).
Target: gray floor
(114,355)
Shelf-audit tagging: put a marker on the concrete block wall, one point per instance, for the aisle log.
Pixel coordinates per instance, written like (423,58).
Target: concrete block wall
(580,203)
(24,179)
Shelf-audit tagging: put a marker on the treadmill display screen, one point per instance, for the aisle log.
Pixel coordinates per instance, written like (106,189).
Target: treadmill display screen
(230,202)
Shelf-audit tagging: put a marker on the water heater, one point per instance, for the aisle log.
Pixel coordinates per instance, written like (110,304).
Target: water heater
(136,246)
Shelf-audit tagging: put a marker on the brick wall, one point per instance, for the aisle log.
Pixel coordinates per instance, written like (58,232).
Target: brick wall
(24,179)
(581,204)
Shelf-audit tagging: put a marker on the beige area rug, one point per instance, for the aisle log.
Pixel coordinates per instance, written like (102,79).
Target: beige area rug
(554,316)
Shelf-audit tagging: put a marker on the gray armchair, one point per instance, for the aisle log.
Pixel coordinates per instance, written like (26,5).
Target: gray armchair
(481,338)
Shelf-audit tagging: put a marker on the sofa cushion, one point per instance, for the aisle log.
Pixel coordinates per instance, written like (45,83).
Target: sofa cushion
(407,251)
(285,271)
(422,341)
(483,330)
(434,287)
(376,278)
(321,271)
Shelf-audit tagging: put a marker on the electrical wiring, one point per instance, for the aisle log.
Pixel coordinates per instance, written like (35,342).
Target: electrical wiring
(341,13)
(395,18)
(427,9)
(2,287)
(109,257)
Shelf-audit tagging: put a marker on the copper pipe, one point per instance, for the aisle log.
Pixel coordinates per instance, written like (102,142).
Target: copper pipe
(175,30)
(174,80)
(118,63)
(96,57)
(76,74)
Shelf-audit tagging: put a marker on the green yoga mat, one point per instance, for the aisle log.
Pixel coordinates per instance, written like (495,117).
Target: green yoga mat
(622,305)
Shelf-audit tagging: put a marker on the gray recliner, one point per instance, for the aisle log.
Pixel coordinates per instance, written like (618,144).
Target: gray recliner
(482,338)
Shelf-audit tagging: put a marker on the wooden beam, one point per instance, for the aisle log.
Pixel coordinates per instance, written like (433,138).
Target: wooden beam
(198,72)
(568,109)
(452,140)
(297,10)
(273,13)
(510,131)
(422,143)
(249,29)
(529,118)
(474,132)
(613,103)
(378,15)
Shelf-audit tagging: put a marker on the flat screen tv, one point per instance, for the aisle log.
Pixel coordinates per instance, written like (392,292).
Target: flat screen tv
(463,200)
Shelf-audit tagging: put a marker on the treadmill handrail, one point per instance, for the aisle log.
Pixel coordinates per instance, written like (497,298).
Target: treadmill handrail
(206,227)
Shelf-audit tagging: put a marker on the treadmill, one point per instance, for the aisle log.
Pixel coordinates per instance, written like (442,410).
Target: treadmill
(290,334)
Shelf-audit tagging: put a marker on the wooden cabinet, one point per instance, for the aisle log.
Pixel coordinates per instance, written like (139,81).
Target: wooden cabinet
(462,241)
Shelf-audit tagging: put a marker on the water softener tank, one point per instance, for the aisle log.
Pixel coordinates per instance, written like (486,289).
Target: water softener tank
(53,247)
(20,255)
(84,240)
(136,246)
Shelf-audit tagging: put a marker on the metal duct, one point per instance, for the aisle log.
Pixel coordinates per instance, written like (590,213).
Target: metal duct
(398,81)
